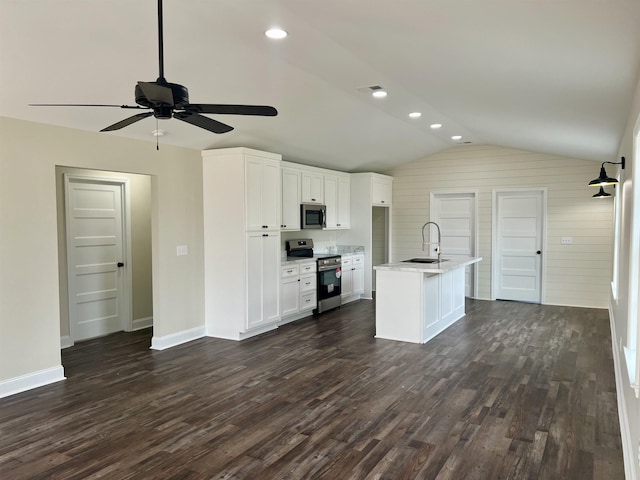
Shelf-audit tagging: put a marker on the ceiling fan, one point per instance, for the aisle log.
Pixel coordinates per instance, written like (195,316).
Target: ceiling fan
(165,100)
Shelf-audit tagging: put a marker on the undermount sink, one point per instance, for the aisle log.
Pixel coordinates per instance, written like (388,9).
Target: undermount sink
(425,260)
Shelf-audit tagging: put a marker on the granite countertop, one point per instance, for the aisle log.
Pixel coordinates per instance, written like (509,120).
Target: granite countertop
(441,267)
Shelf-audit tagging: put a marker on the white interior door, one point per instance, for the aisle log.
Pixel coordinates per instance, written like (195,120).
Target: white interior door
(95,257)
(519,223)
(455,213)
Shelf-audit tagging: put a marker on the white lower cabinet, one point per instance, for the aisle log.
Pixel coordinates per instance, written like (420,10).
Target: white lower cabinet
(263,262)
(289,290)
(352,277)
(297,290)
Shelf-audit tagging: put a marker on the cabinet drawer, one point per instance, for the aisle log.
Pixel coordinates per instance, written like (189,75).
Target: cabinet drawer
(307,283)
(346,260)
(307,268)
(308,301)
(289,271)
(358,260)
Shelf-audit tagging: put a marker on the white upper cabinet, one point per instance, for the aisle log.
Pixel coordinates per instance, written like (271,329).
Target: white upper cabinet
(290,199)
(344,201)
(262,177)
(381,189)
(312,187)
(337,197)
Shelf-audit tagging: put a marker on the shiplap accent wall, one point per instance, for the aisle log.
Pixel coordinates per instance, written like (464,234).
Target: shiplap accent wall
(577,274)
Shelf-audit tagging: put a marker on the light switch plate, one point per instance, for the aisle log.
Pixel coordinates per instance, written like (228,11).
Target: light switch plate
(566,240)
(182,250)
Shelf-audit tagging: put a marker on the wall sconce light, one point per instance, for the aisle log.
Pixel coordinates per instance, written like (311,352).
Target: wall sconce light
(605,179)
(601,194)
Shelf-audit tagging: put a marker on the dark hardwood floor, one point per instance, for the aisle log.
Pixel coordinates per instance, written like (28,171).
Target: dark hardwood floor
(512,390)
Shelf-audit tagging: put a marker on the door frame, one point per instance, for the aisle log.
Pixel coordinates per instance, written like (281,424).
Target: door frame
(476,243)
(127,283)
(494,233)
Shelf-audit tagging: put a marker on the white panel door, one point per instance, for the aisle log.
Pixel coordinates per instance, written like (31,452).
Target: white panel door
(519,225)
(95,248)
(455,213)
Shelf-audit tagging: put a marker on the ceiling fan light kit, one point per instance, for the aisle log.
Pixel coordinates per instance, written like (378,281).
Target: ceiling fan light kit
(165,100)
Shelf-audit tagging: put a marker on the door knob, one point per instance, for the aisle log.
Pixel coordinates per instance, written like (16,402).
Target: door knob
(538,252)
(120,264)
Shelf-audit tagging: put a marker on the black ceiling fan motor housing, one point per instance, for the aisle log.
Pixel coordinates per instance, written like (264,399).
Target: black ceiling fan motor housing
(180,96)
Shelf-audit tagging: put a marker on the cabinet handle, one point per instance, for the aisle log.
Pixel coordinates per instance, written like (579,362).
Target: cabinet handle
(313,199)
(265,234)
(381,201)
(289,271)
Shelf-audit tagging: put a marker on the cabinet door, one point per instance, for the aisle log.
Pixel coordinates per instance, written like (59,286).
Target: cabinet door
(381,191)
(290,199)
(253,194)
(254,279)
(347,282)
(344,203)
(290,296)
(358,279)
(312,187)
(270,277)
(270,195)
(263,282)
(262,193)
(331,200)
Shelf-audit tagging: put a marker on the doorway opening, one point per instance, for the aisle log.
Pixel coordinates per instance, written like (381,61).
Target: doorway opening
(104,252)
(380,244)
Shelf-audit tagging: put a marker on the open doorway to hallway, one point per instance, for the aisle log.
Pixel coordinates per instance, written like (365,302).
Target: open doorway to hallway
(104,252)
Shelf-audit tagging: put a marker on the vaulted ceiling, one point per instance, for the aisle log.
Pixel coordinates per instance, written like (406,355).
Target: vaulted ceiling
(553,76)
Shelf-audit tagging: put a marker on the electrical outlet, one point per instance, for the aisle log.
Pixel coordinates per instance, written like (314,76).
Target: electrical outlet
(182,250)
(566,240)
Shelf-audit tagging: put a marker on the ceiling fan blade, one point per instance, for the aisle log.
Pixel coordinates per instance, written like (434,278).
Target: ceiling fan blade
(127,121)
(203,122)
(82,105)
(157,94)
(262,110)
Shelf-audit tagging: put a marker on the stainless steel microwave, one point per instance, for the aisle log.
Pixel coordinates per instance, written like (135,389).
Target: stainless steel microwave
(313,216)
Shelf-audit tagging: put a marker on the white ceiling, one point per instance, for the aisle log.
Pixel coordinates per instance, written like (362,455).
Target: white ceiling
(554,76)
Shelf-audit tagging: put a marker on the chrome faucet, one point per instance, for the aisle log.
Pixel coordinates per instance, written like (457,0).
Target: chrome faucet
(429,243)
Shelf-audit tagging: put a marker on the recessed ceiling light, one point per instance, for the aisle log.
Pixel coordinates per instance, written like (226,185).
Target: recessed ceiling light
(415,114)
(456,137)
(435,125)
(276,33)
(379,93)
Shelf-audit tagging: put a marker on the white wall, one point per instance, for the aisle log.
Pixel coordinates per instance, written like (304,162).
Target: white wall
(29,294)
(629,405)
(577,274)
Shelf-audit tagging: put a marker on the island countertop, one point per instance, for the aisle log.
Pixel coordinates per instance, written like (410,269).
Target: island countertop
(440,267)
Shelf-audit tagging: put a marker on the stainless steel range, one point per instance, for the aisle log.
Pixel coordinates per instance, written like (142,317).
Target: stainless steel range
(329,283)
(329,286)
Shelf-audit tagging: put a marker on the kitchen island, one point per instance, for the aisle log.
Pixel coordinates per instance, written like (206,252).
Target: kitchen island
(417,301)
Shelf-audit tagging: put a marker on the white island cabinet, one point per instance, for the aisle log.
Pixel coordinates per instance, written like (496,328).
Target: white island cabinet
(416,301)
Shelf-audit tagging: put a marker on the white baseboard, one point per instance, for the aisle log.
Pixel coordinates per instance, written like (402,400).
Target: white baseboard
(178,338)
(621,382)
(66,342)
(140,323)
(31,380)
